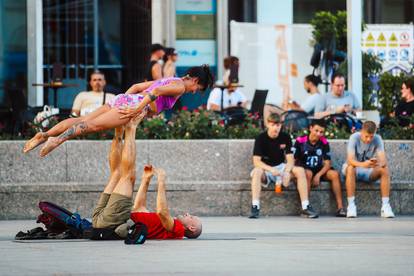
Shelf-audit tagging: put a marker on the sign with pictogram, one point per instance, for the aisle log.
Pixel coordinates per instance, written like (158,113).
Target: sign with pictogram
(393,44)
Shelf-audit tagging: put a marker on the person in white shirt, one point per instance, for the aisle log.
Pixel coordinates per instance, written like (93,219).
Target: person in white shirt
(232,97)
(86,102)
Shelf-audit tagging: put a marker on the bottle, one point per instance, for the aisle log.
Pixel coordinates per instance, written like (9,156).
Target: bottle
(278,185)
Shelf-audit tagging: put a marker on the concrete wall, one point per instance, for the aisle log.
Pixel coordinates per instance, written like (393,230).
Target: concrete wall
(206,177)
(189,160)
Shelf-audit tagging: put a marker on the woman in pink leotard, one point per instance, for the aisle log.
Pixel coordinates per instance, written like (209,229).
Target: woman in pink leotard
(144,98)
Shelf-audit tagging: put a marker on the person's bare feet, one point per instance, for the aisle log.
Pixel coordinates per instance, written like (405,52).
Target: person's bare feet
(51,144)
(38,139)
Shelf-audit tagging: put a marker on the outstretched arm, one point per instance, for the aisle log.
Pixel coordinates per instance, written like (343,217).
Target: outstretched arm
(162,208)
(140,204)
(139,87)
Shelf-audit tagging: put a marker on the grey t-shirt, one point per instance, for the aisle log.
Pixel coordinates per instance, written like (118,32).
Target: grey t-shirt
(362,151)
(348,98)
(314,103)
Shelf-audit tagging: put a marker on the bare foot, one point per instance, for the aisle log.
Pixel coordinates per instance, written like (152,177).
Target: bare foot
(50,145)
(38,139)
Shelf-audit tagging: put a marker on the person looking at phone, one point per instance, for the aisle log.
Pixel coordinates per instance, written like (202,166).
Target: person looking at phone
(366,161)
(340,100)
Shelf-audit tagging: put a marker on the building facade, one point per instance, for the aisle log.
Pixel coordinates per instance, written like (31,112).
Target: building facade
(114,36)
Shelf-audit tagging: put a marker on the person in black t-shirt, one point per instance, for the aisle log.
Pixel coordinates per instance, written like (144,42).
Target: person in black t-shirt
(312,152)
(405,108)
(154,68)
(274,164)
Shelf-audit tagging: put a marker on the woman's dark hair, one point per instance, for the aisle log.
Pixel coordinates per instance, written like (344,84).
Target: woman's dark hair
(204,75)
(316,80)
(230,60)
(409,83)
(168,52)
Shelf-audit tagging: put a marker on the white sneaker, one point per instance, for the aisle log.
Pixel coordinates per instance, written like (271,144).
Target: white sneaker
(351,211)
(386,211)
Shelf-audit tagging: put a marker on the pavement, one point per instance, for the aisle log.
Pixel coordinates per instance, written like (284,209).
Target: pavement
(228,246)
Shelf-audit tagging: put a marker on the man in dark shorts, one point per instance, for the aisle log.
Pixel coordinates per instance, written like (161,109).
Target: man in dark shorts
(114,209)
(312,152)
(271,149)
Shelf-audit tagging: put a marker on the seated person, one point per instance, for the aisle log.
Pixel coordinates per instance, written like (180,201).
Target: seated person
(86,102)
(271,149)
(115,203)
(339,100)
(312,152)
(366,161)
(232,97)
(315,103)
(405,108)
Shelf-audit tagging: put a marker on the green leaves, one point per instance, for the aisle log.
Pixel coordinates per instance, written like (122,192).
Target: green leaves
(198,124)
(389,92)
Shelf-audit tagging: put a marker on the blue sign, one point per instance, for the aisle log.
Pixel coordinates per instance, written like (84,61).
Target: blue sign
(196,52)
(393,55)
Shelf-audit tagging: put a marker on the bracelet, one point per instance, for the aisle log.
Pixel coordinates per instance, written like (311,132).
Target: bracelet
(152,97)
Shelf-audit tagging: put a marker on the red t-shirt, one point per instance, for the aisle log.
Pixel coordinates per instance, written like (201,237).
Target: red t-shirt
(155,229)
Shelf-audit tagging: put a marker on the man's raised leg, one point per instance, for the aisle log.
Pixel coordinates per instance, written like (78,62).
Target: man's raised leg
(114,165)
(125,185)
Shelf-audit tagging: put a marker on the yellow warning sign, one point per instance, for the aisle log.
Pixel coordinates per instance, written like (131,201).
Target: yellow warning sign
(381,40)
(381,37)
(393,41)
(370,37)
(370,40)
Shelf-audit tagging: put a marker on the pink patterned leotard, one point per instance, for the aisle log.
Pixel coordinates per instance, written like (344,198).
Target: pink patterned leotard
(132,100)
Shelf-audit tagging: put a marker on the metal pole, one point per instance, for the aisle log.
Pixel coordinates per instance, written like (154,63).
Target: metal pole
(222,34)
(34,51)
(95,35)
(354,21)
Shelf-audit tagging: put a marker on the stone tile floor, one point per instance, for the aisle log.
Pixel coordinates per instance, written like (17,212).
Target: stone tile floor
(228,246)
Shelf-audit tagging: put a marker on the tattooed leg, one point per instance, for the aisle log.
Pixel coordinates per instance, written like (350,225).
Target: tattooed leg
(62,126)
(53,142)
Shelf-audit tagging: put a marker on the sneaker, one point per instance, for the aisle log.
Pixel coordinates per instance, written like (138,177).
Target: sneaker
(309,212)
(340,213)
(351,211)
(255,212)
(386,211)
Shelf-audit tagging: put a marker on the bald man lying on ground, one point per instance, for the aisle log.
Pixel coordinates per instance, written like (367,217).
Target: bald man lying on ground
(114,211)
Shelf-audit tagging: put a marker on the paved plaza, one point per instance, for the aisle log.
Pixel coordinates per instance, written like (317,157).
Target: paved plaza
(228,246)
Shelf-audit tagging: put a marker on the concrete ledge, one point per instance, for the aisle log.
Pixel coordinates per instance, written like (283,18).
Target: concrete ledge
(206,177)
(205,199)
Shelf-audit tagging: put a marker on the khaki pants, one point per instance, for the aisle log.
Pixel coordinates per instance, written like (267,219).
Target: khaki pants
(111,211)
